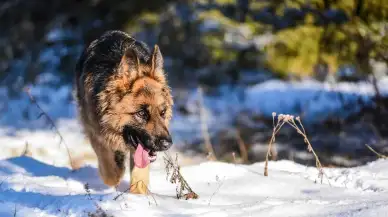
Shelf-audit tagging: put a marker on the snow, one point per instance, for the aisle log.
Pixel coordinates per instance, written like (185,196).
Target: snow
(314,99)
(34,188)
(41,184)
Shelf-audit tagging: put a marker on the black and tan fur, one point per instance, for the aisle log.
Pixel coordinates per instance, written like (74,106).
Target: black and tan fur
(123,98)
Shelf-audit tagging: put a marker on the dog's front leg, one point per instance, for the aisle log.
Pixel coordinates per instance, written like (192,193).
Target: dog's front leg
(140,178)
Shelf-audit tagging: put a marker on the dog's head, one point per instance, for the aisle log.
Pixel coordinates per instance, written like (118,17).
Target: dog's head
(137,102)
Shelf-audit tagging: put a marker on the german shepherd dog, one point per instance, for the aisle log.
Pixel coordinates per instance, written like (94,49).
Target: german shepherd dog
(123,101)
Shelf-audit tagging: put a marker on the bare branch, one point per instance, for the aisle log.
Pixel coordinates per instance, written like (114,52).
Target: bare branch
(378,154)
(214,193)
(204,128)
(242,146)
(52,124)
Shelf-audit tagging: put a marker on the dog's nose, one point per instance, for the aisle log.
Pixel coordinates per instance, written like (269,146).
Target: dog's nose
(166,143)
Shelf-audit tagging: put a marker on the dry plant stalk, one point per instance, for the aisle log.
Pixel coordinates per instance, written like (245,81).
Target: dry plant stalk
(378,154)
(234,158)
(26,151)
(290,120)
(88,192)
(275,130)
(52,124)
(174,176)
(218,189)
(204,127)
(242,147)
(15,211)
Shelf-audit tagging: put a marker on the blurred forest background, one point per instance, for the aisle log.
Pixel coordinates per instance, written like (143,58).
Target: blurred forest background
(227,47)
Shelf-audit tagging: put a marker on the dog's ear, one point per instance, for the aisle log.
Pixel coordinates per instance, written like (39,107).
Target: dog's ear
(128,70)
(129,63)
(156,64)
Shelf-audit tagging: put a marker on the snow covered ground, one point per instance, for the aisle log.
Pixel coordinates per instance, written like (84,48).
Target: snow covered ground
(32,188)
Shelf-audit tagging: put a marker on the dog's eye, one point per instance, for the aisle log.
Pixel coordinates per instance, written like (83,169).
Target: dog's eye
(143,114)
(163,113)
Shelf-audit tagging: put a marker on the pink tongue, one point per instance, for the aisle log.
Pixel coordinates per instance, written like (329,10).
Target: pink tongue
(141,157)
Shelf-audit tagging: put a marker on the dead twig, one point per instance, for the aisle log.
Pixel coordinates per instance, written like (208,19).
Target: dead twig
(2,182)
(242,146)
(88,193)
(378,154)
(99,212)
(234,158)
(214,193)
(52,124)
(204,127)
(26,151)
(276,128)
(173,169)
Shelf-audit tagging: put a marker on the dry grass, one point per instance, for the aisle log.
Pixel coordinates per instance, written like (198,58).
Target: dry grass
(183,190)
(99,212)
(26,151)
(216,191)
(298,126)
(15,211)
(243,148)
(204,127)
(378,154)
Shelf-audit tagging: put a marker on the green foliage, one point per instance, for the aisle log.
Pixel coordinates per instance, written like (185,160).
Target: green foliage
(224,2)
(306,32)
(224,21)
(142,21)
(214,40)
(290,54)
(355,40)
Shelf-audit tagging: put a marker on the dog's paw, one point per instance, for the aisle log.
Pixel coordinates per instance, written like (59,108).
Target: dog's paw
(138,188)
